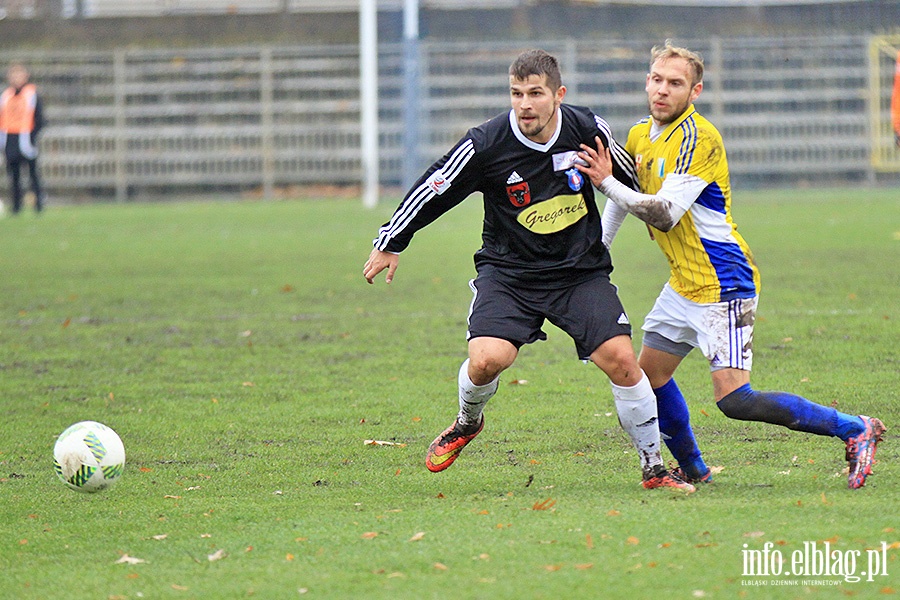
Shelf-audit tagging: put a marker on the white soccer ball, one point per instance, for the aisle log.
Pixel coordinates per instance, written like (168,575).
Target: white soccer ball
(89,456)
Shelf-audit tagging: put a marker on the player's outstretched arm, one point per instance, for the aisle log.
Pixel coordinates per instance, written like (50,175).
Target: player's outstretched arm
(380,260)
(654,210)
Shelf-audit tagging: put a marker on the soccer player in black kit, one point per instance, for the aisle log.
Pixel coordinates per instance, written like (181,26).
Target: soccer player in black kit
(542,256)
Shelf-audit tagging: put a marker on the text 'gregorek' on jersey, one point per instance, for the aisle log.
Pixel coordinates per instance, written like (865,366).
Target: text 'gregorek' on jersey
(541,222)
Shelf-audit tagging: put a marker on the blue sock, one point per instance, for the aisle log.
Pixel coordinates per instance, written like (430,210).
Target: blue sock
(791,411)
(675,427)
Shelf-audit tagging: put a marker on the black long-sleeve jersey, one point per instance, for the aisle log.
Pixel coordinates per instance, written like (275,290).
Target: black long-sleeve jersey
(541,222)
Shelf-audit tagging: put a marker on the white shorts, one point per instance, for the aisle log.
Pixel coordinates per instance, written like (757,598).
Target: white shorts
(723,331)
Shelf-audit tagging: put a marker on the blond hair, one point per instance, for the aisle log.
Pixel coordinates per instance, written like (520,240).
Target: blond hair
(669,50)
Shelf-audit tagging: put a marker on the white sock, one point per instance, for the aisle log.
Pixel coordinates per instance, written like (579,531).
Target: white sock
(472,398)
(636,406)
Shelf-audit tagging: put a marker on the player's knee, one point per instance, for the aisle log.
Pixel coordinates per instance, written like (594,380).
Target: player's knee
(485,368)
(616,358)
(740,405)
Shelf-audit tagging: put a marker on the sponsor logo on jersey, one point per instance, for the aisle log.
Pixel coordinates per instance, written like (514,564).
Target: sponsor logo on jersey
(638,160)
(661,168)
(437,182)
(623,320)
(514,178)
(554,214)
(519,194)
(575,179)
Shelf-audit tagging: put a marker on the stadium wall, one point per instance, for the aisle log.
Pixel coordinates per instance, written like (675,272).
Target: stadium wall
(285,119)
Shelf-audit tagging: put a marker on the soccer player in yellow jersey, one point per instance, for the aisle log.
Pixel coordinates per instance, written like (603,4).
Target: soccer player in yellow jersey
(711,297)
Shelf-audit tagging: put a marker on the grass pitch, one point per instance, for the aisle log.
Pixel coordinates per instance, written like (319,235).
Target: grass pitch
(240,355)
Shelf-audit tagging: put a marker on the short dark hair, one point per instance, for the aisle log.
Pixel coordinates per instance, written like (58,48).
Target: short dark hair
(537,62)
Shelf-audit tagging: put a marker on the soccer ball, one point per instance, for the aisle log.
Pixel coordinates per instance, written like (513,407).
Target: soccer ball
(89,456)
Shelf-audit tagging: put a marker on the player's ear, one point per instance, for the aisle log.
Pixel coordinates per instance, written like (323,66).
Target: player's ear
(695,92)
(560,93)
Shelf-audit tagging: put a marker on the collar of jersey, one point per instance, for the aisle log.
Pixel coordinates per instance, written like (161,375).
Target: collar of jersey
(531,143)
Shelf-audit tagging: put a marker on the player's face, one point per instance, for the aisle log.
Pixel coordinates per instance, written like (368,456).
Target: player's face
(535,106)
(669,89)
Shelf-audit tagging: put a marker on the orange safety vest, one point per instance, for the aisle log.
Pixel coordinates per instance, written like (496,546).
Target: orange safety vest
(17,110)
(895,99)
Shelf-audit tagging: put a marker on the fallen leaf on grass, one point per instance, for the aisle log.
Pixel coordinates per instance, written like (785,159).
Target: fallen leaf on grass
(369,535)
(632,541)
(217,555)
(170,497)
(161,536)
(441,566)
(589,541)
(552,568)
(382,443)
(417,537)
(613,513)
(754,534)
(180,588)
(519,382)
(545,505)
(129,560)
(584,566)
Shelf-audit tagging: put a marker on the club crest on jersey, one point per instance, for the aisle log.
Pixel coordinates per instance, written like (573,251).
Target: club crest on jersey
(519,194)
(575,179)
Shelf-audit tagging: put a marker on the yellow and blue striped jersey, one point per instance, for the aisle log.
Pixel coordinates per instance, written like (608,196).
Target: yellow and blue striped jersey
(709,260)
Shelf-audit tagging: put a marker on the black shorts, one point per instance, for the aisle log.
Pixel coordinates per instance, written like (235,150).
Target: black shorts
(590,312)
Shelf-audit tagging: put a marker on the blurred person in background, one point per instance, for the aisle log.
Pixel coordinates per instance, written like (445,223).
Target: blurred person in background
(21,120)
(711,297)
(895,103)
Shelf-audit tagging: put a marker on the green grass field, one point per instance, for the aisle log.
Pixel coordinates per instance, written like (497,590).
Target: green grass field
(242,358)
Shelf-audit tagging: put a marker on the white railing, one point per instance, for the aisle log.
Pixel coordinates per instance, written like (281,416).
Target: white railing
(122,123)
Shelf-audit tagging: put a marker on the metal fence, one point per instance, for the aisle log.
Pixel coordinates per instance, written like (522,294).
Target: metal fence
(135,122)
